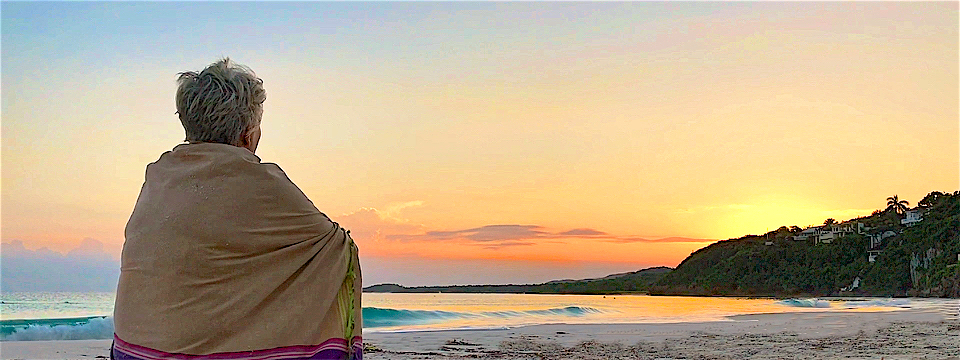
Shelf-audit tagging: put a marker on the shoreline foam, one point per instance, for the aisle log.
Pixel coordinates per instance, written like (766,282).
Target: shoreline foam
(907,334)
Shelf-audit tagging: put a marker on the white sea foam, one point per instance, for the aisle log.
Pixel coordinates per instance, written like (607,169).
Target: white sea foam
(93,329)
(808,303)
(61,316)
(901,303)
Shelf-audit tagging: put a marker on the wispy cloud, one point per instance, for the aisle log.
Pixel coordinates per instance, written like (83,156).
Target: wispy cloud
(513,235)
(372,226)
(491,233)
(583,232)
(674,239)
(510,243)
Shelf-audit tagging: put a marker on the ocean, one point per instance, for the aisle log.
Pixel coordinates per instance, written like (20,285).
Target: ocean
(76,316)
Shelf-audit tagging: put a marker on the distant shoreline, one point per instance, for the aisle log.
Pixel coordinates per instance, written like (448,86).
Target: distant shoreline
(750,296)
(511,289)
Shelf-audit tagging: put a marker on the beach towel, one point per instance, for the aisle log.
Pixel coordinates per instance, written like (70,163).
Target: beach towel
(225,258)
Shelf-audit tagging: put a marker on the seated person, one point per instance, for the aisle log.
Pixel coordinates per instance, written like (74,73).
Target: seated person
(224,256)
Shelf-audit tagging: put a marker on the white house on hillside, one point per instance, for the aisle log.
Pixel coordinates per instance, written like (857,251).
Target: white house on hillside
(825,234)
(912,217)
(808,233)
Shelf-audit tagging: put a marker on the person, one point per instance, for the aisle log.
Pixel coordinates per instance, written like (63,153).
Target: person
(224,257)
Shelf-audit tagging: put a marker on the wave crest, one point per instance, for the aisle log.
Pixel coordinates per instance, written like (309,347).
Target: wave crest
(89,328)
(808,303)
(380,317)
(900,303)
(99,327)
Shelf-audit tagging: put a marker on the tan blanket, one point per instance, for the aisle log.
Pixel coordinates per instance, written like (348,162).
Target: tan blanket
(224,254)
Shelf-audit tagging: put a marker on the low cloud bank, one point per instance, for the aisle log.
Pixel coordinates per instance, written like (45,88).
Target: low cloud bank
(86,268)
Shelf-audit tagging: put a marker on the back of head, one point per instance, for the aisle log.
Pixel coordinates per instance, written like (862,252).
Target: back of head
(221,104)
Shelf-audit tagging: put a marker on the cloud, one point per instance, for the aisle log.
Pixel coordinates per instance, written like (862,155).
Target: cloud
(85,268)
(392,235)
(90,250)
(510,243)
(393,210)
(419,271)
(583,232)
(513,235)
(491,233)
(674,239)
(369,225)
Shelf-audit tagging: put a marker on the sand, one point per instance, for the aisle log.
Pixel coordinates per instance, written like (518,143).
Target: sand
(903,334)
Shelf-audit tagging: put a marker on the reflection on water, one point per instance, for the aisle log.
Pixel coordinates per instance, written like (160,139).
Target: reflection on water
(398,312)
(70,312)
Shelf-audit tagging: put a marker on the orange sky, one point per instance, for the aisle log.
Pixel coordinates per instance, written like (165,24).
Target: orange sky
(568,136)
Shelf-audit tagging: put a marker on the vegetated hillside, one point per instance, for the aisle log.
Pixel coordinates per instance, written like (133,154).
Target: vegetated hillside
(926,260)
(921,260)
(638,281)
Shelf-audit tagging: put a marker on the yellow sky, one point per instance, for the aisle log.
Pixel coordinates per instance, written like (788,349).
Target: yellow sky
(638,121)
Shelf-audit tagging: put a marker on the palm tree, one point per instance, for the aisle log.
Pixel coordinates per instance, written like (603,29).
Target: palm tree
(899,206)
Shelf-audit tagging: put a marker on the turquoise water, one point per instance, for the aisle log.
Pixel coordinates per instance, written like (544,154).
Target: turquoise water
(374,317)
(46,305)
(61,316)
(56,315)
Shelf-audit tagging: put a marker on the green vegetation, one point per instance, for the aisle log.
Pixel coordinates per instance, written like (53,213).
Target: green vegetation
(920,260)
(746,266)
(638,281)
(933,245)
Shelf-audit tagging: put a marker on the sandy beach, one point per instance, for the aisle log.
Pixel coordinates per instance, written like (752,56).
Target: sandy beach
(904,334)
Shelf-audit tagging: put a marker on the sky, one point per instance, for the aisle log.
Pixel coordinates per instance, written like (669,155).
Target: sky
(467,143)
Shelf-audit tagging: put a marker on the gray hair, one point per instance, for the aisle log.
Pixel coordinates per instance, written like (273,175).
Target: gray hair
(221,103)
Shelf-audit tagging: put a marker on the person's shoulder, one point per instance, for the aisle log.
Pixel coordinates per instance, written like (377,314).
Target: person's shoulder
(281,177)
(274,170)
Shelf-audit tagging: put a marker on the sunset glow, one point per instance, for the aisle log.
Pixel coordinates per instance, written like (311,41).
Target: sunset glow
(497,142)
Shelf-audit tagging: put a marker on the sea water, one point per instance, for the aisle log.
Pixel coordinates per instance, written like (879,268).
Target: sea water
(68,316)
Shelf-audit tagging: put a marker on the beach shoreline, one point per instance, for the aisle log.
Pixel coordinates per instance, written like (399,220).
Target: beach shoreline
(900,334)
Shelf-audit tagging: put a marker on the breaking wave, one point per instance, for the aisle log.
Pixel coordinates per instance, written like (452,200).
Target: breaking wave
(807,303)
(379,317)
(101,327)
(900,303)
(82,328)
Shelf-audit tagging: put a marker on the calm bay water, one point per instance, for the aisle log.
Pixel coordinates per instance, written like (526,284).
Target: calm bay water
(61,315)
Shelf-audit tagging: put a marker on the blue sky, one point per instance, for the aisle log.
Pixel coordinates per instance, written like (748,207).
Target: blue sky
(689,121)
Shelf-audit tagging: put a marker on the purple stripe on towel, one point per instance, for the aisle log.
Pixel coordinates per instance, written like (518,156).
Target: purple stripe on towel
(332,349)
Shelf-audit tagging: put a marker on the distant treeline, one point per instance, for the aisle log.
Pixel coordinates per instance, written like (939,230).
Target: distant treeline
(638,281)
(919,260)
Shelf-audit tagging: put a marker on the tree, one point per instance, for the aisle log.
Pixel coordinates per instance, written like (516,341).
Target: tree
(898,206)
(931,199)
(795,229)
(829,222)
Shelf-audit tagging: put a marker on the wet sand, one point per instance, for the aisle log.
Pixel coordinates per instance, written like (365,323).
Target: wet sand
(903,334)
